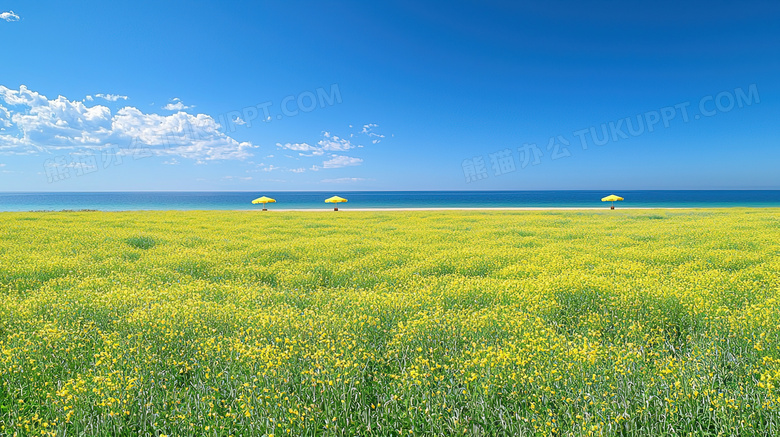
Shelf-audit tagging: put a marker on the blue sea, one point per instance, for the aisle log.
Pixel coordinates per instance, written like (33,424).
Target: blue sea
(233,200)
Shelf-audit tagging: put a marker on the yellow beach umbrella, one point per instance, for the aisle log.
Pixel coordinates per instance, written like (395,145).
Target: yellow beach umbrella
(264,200)
(611,198)
(336,200)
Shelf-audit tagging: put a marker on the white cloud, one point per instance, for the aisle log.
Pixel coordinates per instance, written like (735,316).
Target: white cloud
(368,129)
(45,124)
(341,161)
(109,97)
(5,117)
(270,167)
(328,143)
(298,147)
(86,167)
(176,105)
(333,143)
(22,97)
(342,180)
(9,16)
(172,161)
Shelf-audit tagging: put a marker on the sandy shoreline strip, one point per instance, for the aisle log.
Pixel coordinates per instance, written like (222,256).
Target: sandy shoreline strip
(467,209)
(462,209)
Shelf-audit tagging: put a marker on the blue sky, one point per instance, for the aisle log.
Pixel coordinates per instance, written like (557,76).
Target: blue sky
(405,95)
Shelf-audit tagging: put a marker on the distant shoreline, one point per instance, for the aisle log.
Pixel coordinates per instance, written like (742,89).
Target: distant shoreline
(522,208)
(391,201)
(476,208)
(431,209)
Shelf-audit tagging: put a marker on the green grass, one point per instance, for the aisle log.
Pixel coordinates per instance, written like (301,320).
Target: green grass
(141,242)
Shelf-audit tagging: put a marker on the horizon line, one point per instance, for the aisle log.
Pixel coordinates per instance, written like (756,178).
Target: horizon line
(382,191)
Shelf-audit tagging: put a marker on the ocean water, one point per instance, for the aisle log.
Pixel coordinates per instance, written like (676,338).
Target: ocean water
(233,200)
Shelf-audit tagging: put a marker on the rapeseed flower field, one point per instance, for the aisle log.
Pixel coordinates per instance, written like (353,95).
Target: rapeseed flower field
(390,323)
